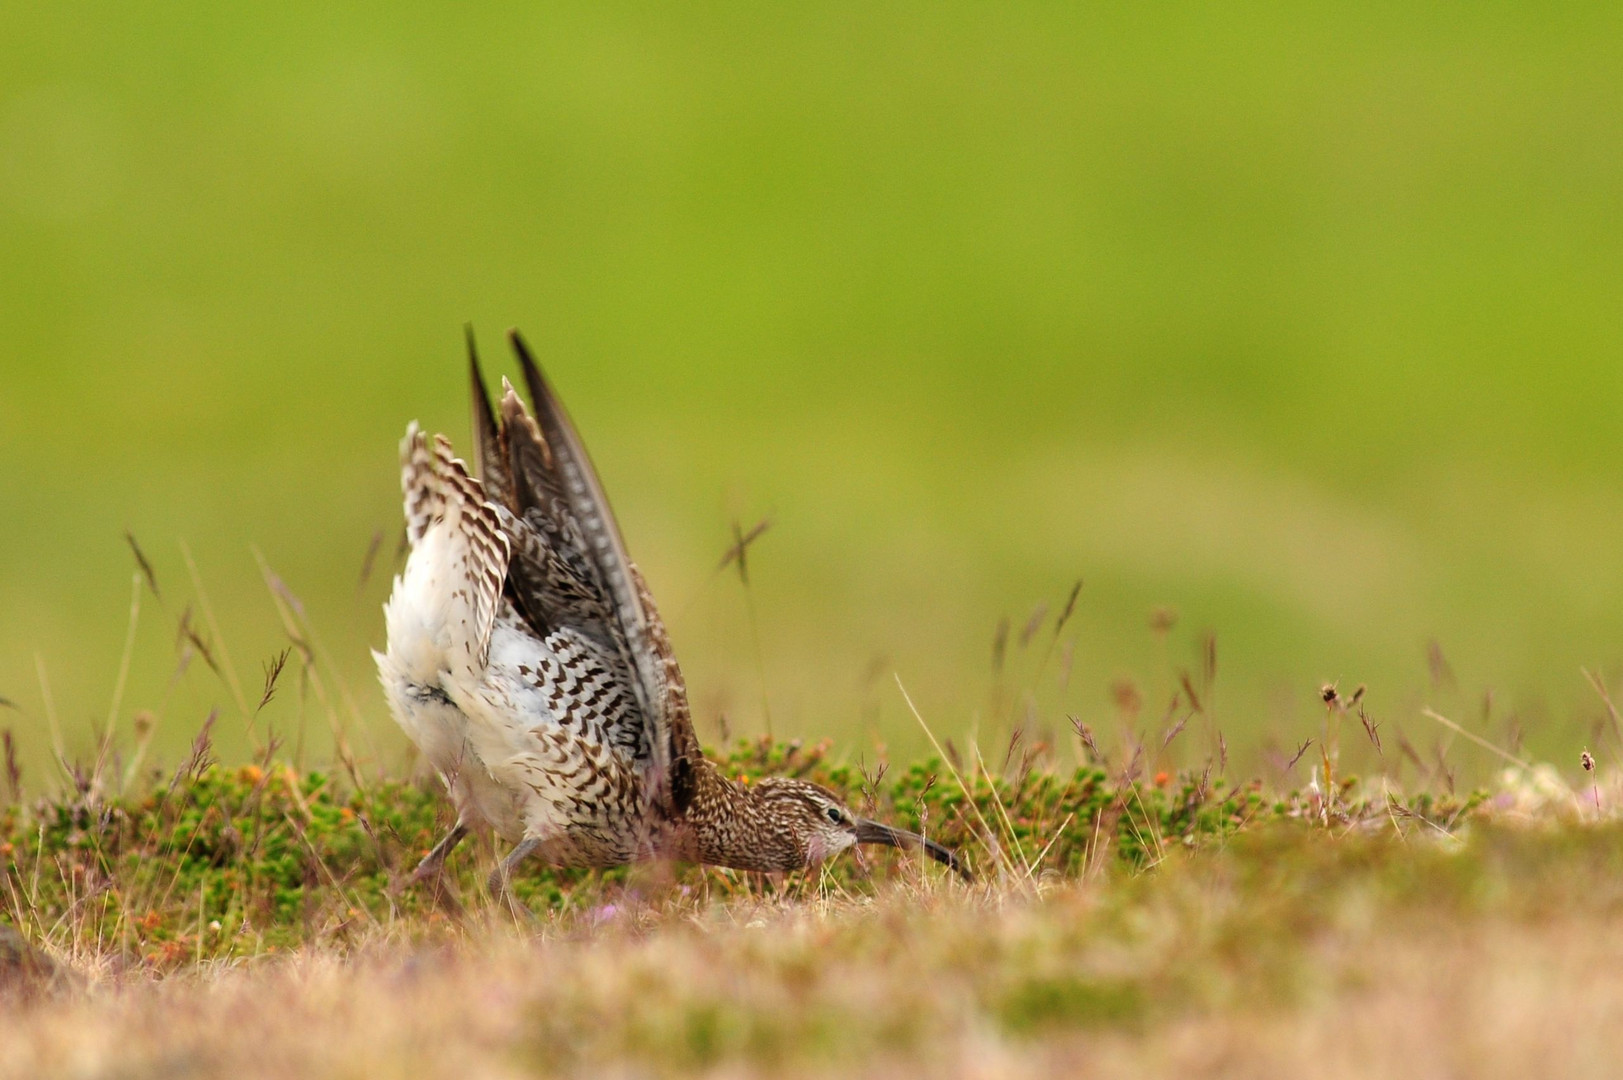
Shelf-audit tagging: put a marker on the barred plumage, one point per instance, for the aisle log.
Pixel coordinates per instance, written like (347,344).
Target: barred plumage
(528,662)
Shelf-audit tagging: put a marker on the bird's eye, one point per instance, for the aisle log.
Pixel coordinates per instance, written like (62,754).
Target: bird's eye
(834,815)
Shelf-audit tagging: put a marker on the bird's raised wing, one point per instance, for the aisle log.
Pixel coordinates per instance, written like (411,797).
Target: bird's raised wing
(569,565)
(489,442)
(461,577)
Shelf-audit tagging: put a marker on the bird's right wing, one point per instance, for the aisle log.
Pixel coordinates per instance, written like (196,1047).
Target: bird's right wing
(570,567)
(489,440)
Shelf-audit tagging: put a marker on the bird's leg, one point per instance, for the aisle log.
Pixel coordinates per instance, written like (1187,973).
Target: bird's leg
(504,870)
(430,872)
(434,862)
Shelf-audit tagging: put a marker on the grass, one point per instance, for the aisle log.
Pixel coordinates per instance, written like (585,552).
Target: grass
(214,863)
(240,923)
(1140,905)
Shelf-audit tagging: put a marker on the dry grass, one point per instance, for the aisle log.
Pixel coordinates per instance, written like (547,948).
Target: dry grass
(1290,949)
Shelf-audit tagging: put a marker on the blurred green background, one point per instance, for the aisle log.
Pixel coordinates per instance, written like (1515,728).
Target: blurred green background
(1303,320)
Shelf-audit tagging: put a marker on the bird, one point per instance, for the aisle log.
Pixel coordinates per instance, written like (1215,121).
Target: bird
(527,661)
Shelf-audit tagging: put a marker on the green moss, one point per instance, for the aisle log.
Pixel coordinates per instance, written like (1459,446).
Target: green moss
(277,859)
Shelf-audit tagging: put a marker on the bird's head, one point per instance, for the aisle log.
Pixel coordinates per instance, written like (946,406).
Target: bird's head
(816,825)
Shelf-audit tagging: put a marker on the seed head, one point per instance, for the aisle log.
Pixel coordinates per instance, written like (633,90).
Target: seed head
(1587,760)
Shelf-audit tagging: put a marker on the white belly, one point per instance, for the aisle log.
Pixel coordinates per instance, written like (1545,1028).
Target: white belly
(415,673)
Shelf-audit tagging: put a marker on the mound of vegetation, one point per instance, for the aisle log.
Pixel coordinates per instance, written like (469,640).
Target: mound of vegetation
(215,862)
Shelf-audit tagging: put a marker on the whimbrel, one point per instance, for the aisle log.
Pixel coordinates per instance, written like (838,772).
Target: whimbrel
(527,661)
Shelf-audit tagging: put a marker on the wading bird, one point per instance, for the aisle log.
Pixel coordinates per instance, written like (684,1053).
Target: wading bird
(527,661)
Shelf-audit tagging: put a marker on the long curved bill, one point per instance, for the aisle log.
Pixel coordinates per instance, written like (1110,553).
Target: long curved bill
(873,832)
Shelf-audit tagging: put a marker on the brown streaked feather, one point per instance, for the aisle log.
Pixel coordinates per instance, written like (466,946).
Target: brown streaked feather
(487,545)
(552,577)
(438,490)
(686,753)
(529,458)
(417,483)
(569,474)
(489,444)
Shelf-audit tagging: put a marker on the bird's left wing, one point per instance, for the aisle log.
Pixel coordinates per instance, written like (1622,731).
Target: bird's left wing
(460,552)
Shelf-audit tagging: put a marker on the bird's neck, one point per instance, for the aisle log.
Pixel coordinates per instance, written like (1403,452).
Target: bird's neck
(728,824)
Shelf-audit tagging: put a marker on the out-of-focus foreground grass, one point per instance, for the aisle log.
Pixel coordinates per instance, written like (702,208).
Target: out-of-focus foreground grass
(1299,319)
